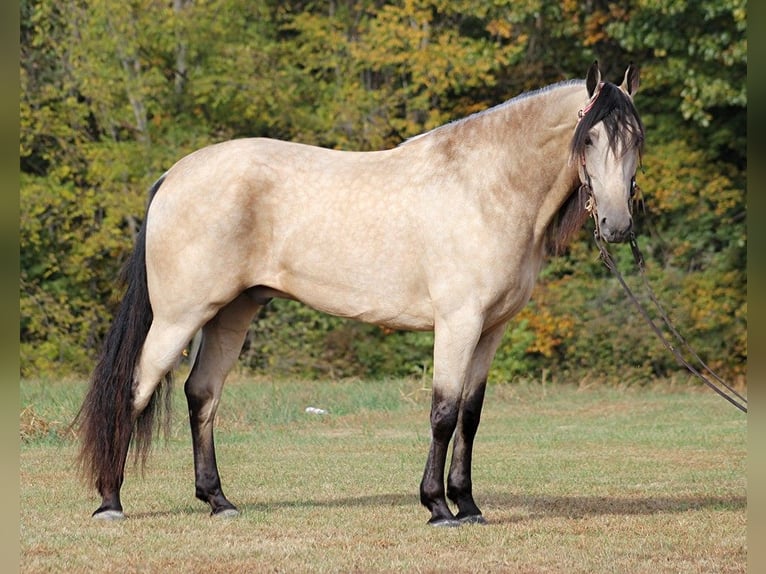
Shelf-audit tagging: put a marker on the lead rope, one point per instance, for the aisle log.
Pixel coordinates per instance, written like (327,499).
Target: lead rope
(590,206)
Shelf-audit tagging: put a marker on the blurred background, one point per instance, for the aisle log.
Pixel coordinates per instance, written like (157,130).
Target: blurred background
(114,92)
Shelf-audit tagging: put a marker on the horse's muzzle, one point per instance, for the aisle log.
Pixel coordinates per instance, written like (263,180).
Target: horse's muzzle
(615,234)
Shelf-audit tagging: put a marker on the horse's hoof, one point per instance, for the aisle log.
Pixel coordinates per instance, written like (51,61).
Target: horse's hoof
(444,523)
(226,513)
(473,519)
(108,515)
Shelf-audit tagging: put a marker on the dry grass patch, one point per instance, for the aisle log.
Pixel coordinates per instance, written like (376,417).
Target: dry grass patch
(576,481)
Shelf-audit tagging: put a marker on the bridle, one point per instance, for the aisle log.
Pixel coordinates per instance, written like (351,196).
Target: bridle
(586,189)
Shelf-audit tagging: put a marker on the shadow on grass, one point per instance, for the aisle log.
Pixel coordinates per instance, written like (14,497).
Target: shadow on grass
(536,506)
(520,507)
(584,506)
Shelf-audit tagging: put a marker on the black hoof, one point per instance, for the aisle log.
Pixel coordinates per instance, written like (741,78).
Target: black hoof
(108,515)
(472,519)
(230,512)
(444,523)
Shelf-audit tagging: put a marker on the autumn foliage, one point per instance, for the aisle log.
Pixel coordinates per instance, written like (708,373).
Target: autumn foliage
(115,92)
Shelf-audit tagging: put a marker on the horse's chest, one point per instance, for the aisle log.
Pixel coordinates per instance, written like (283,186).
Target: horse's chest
(512,290)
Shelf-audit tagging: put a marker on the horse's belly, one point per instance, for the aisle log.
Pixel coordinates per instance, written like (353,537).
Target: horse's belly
(395,308)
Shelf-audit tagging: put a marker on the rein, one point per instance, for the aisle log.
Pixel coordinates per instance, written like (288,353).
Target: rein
(718,385)
(732,396)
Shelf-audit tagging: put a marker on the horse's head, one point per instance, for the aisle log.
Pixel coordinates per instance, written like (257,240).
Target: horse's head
(607,148)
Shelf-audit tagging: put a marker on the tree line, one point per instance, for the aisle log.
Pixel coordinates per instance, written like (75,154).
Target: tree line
(113,93)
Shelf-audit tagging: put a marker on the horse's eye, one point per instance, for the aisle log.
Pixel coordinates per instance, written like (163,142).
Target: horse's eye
(588,141)
(633,186)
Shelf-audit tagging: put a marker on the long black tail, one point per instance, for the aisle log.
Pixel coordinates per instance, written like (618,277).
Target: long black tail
(106,421)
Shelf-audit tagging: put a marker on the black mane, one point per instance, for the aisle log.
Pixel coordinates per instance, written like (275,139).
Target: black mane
(621,120)
(624,127)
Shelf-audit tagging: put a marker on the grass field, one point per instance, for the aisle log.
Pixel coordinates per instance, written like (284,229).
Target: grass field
(572,479)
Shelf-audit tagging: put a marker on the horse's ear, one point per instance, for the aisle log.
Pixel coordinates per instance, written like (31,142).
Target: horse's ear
(593,79)
(630,82)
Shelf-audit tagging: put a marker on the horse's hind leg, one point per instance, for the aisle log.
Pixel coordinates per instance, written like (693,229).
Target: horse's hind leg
(222,339)
(459,485)
(162,348)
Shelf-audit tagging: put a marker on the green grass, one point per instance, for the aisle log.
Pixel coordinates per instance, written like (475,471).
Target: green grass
(598,479)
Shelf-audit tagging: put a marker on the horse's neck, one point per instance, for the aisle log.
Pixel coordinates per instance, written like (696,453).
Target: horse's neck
(515,156)
(543,165)
(531,150)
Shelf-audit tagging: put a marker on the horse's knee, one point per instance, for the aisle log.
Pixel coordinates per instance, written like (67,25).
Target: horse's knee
(444,416)
(471,412)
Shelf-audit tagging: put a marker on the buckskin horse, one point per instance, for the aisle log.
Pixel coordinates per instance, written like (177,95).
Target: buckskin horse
(445,232)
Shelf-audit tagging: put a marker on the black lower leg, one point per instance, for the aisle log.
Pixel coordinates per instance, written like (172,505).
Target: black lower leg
(459,483)
(432,493)
(207,481)
(109,489)
(111,506)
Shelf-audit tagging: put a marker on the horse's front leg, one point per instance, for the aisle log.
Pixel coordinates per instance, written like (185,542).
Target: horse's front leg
(222,340)
(459,484)
(454,343)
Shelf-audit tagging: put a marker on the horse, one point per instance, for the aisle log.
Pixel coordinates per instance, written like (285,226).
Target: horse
(447,232)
